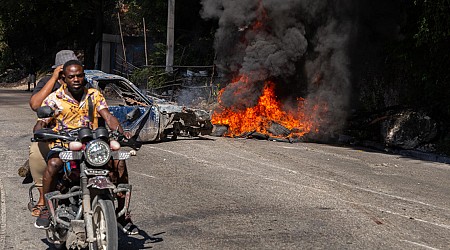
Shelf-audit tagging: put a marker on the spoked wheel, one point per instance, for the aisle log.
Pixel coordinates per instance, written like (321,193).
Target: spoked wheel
(105,225)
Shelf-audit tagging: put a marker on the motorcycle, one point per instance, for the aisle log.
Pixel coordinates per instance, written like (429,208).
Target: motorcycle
(82,209)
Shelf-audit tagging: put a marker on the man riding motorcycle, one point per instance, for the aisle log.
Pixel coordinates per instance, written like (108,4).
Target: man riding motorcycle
(71,101)
(39,150)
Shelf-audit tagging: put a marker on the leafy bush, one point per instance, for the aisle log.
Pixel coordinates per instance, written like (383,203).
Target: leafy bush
(149,77)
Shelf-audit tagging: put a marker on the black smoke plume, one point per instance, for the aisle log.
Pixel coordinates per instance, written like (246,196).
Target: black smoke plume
(304,45)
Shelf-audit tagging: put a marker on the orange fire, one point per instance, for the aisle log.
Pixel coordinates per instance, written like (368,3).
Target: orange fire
(260,117)
(268,110)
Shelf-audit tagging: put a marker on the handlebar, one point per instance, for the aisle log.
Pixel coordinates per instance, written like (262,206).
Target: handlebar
(50,135)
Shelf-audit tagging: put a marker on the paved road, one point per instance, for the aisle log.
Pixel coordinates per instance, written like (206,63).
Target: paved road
(222,193)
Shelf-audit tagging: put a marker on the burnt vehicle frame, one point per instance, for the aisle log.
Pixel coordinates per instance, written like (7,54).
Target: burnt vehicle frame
(147,118)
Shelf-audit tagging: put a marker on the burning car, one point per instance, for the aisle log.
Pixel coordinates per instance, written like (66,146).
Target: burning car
(149,119)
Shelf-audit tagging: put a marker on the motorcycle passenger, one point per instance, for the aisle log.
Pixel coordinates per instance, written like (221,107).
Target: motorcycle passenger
(71,103)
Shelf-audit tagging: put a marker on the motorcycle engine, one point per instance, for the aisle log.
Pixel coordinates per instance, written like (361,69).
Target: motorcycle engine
(65,213)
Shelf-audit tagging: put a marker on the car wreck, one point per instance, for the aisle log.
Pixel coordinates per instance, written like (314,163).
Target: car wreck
(148,119)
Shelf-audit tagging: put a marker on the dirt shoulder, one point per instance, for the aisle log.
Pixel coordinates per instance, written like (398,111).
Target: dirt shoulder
(21,85)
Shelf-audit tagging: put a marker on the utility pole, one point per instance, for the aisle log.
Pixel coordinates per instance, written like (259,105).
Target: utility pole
(125,65)
(170,35)
(145,42)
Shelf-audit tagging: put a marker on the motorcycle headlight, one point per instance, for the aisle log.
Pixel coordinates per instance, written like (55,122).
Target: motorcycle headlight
(97,153)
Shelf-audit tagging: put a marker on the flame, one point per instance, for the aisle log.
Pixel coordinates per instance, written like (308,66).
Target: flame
(268,110)
(260,117)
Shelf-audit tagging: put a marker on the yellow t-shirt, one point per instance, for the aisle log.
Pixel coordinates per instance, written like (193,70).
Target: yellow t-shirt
(71,113)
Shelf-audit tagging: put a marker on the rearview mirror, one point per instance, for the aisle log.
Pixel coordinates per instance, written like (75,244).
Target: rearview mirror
(45,112)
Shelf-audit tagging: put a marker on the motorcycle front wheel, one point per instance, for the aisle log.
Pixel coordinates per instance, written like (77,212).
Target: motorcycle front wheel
(105,225)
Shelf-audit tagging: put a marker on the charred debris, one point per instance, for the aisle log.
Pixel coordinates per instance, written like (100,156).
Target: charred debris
(389,130)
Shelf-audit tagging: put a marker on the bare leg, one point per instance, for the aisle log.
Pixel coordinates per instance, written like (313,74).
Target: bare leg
(48,180)
(41,200)
(120,176)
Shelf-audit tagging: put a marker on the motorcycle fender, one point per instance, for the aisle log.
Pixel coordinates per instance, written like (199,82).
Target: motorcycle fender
(100,182)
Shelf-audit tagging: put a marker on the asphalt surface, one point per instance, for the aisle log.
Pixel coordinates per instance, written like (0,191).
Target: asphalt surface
(223,193)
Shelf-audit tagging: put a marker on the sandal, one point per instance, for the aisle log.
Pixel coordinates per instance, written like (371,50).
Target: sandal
(36,210)
(127,226)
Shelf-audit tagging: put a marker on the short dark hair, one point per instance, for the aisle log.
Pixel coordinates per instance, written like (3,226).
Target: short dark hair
(70,63)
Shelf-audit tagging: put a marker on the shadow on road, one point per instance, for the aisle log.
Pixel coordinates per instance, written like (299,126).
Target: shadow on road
(139,241)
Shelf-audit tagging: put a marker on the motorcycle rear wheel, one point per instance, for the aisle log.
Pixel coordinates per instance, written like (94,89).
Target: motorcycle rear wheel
(105,225)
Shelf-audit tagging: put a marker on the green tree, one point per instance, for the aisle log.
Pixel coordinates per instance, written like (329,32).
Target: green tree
(194,36)
(430,54)
(35,30)
(417,64)
(433,23)
(4,51)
